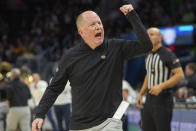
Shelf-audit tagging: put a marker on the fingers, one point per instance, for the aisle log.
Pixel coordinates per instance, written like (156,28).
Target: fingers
(126,9)
(140,106)
(123,10)
(37,124)
(139,103)
(34,126)
(153,92)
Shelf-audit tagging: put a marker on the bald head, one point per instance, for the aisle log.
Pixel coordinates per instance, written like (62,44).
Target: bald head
(15,73)
(82,17)
(155,31)
(155,36)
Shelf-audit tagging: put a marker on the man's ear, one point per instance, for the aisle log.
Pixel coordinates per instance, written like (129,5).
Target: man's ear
(80,32)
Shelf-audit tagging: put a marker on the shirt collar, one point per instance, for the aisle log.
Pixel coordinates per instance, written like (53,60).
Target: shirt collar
(157,50)
(85,46)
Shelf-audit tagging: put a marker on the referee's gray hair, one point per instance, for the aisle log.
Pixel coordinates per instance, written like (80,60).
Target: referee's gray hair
(15,72)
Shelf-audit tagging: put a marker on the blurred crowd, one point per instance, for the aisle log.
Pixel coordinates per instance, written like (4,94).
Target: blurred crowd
(32,31)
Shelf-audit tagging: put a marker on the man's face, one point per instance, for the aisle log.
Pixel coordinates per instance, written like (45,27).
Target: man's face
(155,36)
(188,71)
(36,78)
(91,29)
(125,94)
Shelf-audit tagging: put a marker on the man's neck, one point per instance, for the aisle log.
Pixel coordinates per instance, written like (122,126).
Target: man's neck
(93,46)
(155,48)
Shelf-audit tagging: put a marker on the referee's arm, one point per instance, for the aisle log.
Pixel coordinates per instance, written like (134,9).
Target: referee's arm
(177,77)
(142,92)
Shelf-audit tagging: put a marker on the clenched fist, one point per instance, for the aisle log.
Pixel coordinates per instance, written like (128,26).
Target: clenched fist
(126,9)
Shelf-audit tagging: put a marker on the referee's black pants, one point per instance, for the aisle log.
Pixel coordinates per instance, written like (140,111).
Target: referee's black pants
(156,117)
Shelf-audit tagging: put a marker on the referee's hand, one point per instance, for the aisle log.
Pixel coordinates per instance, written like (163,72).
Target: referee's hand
(37,124)
(155,90)
(139,102)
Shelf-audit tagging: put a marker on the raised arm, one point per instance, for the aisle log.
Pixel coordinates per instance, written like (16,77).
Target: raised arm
(143,44)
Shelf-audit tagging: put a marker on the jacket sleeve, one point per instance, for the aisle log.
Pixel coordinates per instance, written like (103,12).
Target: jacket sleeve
(53,90)
(133,48)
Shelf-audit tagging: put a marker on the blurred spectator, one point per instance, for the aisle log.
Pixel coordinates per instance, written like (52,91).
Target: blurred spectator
(26,75)
(188,85)
(3,105)
(3,113)
(190,72)
(188,16)
(17,95)
(62,108)
(37,89)
(129,95)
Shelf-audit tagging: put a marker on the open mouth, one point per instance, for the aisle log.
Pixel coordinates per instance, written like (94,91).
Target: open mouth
(98,35)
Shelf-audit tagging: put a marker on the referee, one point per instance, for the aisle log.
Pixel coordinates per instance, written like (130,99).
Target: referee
(163,72)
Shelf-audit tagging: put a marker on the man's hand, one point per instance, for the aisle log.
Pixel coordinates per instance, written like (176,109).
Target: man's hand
(126,9)
(37,124)
(139,102)
(156,90)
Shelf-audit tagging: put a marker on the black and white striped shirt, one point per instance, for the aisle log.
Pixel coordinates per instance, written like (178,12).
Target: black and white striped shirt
(159,65)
